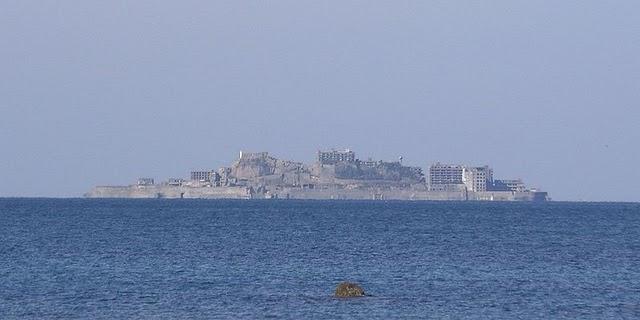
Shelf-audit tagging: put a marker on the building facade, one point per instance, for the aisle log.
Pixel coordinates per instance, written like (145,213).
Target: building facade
(446,177)
(253,155)
(478,179)
(145,182)
(455,177)
(335,156)
(175,182)
(513,185)
(204,176)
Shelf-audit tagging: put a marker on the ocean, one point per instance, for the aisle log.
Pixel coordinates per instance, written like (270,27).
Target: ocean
(282,259)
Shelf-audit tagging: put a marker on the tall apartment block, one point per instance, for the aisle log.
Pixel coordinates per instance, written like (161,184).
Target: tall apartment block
(446,177)
(456,177)
(335,156)
(478,179)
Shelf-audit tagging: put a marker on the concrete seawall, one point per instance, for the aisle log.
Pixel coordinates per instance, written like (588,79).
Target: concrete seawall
(178,192)
(169,192)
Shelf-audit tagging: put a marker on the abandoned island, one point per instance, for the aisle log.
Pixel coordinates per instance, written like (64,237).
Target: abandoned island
(337,174)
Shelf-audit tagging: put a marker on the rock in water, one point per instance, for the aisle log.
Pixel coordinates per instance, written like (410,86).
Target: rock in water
(349,289)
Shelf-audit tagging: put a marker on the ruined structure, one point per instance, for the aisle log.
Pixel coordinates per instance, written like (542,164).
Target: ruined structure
(335,175)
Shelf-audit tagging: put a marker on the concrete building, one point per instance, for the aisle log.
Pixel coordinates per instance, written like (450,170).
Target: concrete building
(204,176)
(175,182)
(370,163)
(453,177)
(253,155)
(446,177)
(513,185)
(478,179)
(145,182)
(335,156)
(225,177)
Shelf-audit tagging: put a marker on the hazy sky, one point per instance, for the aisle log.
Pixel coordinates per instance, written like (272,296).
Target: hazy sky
(103,92)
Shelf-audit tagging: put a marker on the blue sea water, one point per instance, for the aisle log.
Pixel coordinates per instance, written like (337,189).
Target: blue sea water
(189,259)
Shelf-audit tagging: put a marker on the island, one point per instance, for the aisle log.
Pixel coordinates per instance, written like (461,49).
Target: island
(335,175)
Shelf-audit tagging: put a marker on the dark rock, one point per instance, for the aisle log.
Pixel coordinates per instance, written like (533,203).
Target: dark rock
(349,289)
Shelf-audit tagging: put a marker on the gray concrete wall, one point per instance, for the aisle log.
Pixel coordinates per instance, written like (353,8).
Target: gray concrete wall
(170,192)
(173,192)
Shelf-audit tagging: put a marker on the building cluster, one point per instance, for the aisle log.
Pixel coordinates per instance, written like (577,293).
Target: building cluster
(333,157)
(457,177)
(199,178)
(441,177)
(208,178)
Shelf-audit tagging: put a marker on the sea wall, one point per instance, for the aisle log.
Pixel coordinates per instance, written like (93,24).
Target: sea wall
(175,192)
(171,192)
(364,194)
(403,194)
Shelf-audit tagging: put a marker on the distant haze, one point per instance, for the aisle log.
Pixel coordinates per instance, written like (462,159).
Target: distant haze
(103,92)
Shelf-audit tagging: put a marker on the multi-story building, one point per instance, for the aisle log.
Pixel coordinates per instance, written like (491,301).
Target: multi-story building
(145,182)
(478,179)
(454,177)
(175,181)
(446,177)
(204,176)
(369,163)
(224,174)
(253,155)
(335,156)
(513,185)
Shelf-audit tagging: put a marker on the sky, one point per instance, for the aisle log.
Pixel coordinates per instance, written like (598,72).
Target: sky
(104,92)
